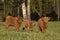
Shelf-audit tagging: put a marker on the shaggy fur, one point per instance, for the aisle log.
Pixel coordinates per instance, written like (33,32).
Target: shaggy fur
(14,21)
(42,23)
(28,24)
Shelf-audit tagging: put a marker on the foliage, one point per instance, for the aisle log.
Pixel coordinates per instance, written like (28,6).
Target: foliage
(41,7)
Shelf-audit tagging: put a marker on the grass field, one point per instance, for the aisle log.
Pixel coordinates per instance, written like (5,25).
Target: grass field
(53,33)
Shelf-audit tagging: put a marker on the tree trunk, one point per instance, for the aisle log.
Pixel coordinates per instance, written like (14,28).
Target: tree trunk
(40,13)
(58,8)
(24,11)
(18,9)
(4,6)
(28,9)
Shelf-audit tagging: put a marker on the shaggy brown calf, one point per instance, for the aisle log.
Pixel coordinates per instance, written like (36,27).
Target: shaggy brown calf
(42,23)
(28,24)
(10,20)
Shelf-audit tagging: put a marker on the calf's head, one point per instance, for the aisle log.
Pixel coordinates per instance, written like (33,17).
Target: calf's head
(45,19)
(19,19)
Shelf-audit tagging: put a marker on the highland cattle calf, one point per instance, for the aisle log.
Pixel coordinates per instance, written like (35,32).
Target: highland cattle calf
(14,21)
(28,24)
(42,23)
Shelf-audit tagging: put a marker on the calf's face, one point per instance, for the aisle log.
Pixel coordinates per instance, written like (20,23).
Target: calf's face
(20,19)
(45,19)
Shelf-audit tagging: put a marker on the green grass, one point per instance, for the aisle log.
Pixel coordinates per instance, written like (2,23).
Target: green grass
(53,33)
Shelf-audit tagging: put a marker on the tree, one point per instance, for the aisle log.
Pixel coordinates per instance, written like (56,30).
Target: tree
(58,8)
(4,1)
(36,7)
(24,10)
(28,9)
